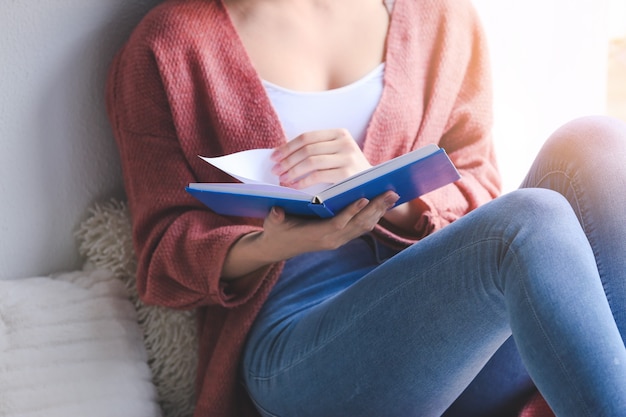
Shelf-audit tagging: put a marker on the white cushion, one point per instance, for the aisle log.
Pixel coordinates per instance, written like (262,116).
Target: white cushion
(70,346)
(170,336)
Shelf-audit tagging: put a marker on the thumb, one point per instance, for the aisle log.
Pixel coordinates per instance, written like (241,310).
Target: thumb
(276,215)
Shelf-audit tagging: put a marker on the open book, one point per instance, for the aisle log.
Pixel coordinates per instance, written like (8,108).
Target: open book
(410,175)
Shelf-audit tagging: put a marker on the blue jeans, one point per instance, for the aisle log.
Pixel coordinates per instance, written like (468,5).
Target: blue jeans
(364,331)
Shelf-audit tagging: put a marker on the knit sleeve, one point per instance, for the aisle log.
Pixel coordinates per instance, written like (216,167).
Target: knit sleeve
(467,132)
(180,245)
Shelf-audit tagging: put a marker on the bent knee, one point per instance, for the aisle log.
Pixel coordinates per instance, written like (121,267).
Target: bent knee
(589,136)
(543,215)
(537,203)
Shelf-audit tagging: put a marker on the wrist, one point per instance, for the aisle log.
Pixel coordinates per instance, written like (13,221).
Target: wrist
(240,258)
(248,254)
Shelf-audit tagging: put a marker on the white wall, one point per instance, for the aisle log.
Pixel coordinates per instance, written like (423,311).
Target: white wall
(550,65)
(56,152)
(57,156)
(617,18)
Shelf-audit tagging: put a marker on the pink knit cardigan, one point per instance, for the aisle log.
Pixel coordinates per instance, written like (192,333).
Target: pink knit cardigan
(184,86)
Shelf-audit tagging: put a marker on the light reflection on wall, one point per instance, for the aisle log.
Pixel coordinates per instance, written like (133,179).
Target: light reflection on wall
(550,64)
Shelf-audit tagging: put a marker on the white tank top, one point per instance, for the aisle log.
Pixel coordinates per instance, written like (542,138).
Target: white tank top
(350,107)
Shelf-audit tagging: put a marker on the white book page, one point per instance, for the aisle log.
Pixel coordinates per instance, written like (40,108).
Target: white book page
(253,166)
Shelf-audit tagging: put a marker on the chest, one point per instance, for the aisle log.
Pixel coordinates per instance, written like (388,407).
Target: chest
(309,46)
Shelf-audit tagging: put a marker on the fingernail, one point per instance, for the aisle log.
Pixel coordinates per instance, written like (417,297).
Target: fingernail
(276,156)
(362,203)
(391,199)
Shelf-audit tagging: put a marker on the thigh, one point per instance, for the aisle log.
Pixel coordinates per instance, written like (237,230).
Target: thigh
(405,339)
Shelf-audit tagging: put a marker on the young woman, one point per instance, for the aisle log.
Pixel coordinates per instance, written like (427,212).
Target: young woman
(445,304)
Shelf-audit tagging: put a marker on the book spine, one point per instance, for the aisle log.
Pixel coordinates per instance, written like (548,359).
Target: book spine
(321,210)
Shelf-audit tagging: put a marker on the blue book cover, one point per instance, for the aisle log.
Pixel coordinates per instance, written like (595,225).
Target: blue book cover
(410,176)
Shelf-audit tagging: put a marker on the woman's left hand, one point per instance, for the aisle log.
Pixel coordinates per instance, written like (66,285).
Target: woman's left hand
(321,156)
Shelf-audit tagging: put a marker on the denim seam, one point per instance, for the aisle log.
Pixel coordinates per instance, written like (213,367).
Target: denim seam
(588,227)
(572,183)
(262,409)
(548,340)
(584,223)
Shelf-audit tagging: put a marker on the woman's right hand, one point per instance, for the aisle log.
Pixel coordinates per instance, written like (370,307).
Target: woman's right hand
(284,237)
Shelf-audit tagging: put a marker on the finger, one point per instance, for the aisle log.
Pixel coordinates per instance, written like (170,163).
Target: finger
(386,201)
(305,139)
(343,218)
(308,158)
(310,144)
(371,214)
(327,163)
(315,170)
(361,217)
(366,208)
(327,176)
